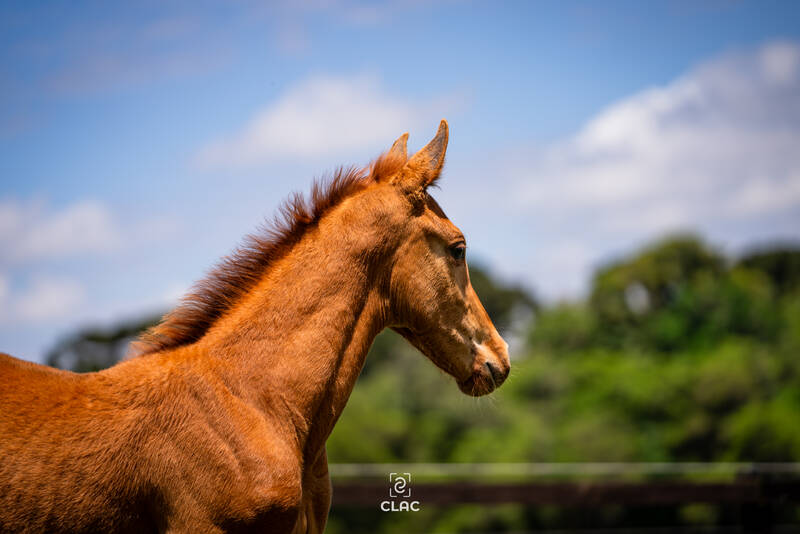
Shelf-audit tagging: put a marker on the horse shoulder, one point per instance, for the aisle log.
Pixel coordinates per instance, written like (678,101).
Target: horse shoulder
(216,457)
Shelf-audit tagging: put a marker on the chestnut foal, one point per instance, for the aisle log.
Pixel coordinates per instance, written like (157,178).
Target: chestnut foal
(219,424)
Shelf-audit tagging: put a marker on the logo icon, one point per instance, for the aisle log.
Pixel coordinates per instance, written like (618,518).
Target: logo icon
(399,494)
(399,486)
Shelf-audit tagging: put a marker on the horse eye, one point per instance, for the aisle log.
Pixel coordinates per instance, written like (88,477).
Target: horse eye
(458,252)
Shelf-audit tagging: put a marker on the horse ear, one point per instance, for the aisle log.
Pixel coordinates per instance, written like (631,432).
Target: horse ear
(400,147)
(426,165)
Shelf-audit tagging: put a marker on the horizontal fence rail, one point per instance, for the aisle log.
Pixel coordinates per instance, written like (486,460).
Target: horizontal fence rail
(562,469)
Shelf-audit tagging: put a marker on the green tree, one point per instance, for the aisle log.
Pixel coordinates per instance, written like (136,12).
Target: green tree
(660,297)
(780,263)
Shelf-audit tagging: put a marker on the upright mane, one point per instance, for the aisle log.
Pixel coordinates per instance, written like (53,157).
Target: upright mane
(236,274)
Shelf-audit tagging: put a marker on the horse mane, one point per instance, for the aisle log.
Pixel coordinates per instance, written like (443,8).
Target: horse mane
(236,274)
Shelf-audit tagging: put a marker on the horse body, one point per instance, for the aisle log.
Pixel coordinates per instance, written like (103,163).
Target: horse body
(167,446)
(219,425)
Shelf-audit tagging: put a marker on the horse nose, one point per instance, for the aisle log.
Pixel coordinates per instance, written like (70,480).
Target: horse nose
(498,375)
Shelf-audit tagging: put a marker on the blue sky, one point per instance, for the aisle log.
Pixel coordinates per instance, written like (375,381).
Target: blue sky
(139,142)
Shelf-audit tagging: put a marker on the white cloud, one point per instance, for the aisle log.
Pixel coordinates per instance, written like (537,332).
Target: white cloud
(31,232)
(780,62)
(717,150)
(4,289)
(320,116)
(44,299)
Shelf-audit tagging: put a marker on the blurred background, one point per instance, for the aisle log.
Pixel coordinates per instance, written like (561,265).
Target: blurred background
(627,175)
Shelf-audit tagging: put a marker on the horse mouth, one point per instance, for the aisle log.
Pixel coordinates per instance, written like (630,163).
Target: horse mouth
(480,383)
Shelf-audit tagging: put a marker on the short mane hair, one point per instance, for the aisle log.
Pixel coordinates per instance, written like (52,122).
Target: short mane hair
(236,274)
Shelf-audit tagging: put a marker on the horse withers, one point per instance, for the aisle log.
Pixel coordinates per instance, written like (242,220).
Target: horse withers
(219,422)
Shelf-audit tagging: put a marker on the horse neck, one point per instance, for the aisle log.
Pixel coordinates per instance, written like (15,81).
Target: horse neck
(297,343)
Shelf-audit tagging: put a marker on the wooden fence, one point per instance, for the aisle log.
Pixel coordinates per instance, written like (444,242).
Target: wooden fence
(756,488)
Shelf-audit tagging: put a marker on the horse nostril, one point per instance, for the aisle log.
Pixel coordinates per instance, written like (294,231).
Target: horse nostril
(497,376)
